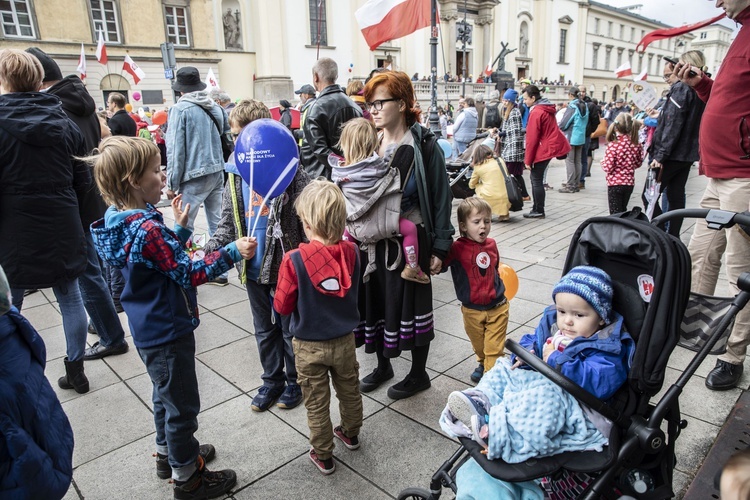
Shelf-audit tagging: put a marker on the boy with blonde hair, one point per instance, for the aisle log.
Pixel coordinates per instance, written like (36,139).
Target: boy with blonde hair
(160,301)
(318,288)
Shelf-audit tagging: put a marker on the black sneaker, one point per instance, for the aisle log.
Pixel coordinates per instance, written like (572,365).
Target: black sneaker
(98,351)
(220,281)
(291,397)
(477,374)
(164,470)
(324,466)
(205,483)
(533,215)
(375,379)
(409,387)
(724,376)
(265,398)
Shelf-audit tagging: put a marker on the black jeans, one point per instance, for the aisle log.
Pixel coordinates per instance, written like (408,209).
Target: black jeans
(674,175)
(538,193)
(618,197)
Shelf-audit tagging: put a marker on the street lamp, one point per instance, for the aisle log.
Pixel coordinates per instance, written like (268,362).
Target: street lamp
(434,120)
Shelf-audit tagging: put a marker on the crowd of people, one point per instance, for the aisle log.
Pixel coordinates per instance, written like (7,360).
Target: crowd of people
(345,257)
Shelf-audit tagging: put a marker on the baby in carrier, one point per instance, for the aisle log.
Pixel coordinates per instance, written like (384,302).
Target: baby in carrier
(372,189)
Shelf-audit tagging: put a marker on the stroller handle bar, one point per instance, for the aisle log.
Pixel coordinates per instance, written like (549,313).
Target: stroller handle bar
(716,219)
(568,385)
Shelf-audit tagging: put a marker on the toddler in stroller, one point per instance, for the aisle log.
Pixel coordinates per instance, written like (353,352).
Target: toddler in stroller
(519,415)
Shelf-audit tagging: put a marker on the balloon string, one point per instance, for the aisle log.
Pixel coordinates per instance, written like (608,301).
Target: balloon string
(292,164)
(252,170)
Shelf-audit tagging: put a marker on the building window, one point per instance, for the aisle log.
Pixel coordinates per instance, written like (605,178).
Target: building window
(704,35)
(16,15)
(175,19)
(619,57)
(318,29)
(622,32)
(563,43)
(609,29)
(632,34)
(596,25)
(595,58)
(607,59)
(640,63)
(104,15)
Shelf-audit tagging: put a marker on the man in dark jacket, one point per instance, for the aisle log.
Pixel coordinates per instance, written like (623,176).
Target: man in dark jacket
(324,119)
(81,109)
(120,122)
(42,244)
(590,128)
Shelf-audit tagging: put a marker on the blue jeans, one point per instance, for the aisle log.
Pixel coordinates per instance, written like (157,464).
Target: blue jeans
(98,301)
(273,337)
(585,159)
(73,315)
(171,368)
(206,190)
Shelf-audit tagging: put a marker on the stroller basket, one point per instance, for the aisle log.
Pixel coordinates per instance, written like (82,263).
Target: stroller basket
(650,273)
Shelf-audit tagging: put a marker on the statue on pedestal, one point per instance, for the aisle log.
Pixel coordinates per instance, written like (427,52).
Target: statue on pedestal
(232,33)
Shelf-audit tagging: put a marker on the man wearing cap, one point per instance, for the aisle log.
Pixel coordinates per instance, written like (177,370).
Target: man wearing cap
(286,115)
(81,110)
(322,127)
(613,112)
(306,97)
(195,161)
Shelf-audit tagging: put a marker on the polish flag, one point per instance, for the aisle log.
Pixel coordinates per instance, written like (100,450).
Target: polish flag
(101,49)
(211,81)
(624,70)
(642,76)
(488,69)
(135,71)
(82,63)
(383,20)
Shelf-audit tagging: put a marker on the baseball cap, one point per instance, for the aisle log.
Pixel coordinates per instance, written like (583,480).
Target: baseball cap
(306,89)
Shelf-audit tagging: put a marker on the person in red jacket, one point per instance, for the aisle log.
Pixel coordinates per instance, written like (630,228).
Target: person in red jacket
(544,141)
(724,142)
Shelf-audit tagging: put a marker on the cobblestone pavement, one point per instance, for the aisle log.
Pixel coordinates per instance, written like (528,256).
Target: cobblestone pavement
(401,441)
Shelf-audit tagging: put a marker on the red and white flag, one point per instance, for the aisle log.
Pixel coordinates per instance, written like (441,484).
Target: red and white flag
(383,20)
(82,63)
(211,81)
(624,70)
(642,76)
(488,69)
(135,71)
(101,49)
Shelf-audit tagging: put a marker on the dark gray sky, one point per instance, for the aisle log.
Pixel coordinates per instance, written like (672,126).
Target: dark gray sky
(674,12)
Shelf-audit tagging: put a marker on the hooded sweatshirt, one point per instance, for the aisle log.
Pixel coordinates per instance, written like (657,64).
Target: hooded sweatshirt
(544,140)
(725,126)
(193,141)
(81,109)
(319,287)
(160,278)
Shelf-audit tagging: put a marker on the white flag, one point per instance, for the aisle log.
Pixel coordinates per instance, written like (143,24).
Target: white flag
(211,81)
(101,49)
(82,63)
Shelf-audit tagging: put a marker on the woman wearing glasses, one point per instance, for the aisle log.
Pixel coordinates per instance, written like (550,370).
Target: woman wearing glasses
(674,147)
(396,314)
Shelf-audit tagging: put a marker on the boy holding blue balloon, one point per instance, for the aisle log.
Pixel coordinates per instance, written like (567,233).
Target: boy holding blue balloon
(160,300)
(277,229)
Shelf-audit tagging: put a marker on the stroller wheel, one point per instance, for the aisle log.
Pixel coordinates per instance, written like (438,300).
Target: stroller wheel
(415,494)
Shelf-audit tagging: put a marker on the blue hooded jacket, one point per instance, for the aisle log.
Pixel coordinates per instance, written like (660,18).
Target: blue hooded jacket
(600,363)
(36,440)
(160,278)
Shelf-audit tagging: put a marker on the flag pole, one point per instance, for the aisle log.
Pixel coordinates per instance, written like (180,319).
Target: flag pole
(434,120)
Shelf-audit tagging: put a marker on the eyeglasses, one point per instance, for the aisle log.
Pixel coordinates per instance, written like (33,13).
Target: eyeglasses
(378,105)
(235,136)
(667,77)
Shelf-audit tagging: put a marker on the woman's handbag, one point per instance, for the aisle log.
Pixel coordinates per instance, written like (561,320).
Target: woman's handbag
(601,130)
(511,186)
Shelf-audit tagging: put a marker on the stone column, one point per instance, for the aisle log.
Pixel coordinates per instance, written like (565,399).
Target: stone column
(449,39)
(485,20)
(272,76)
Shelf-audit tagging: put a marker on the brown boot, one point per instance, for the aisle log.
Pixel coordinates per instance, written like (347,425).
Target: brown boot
(74,377)
(415,274)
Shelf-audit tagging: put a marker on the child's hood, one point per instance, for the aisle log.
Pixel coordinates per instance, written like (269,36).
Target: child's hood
(116,232)
(330,267)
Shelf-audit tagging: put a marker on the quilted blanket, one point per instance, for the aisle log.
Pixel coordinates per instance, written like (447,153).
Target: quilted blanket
(530,416)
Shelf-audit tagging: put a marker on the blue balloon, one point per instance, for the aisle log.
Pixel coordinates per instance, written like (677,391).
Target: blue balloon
(266,156)
(446,147)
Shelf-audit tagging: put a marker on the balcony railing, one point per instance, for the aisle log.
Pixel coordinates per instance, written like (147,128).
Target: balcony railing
(450,91)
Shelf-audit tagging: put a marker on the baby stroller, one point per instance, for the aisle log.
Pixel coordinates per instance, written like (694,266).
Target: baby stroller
(650,271)
(459,170)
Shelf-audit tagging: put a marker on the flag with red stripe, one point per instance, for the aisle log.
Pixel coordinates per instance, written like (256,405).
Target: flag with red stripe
(101,49)
(383,20)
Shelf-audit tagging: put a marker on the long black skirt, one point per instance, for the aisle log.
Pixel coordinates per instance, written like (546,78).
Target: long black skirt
(395,314)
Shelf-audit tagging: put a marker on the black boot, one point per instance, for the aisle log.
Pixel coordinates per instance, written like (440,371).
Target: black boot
(74,377)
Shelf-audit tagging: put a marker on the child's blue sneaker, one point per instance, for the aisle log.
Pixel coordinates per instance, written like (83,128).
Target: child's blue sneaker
(265,398)
(291,397)
(463,406)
